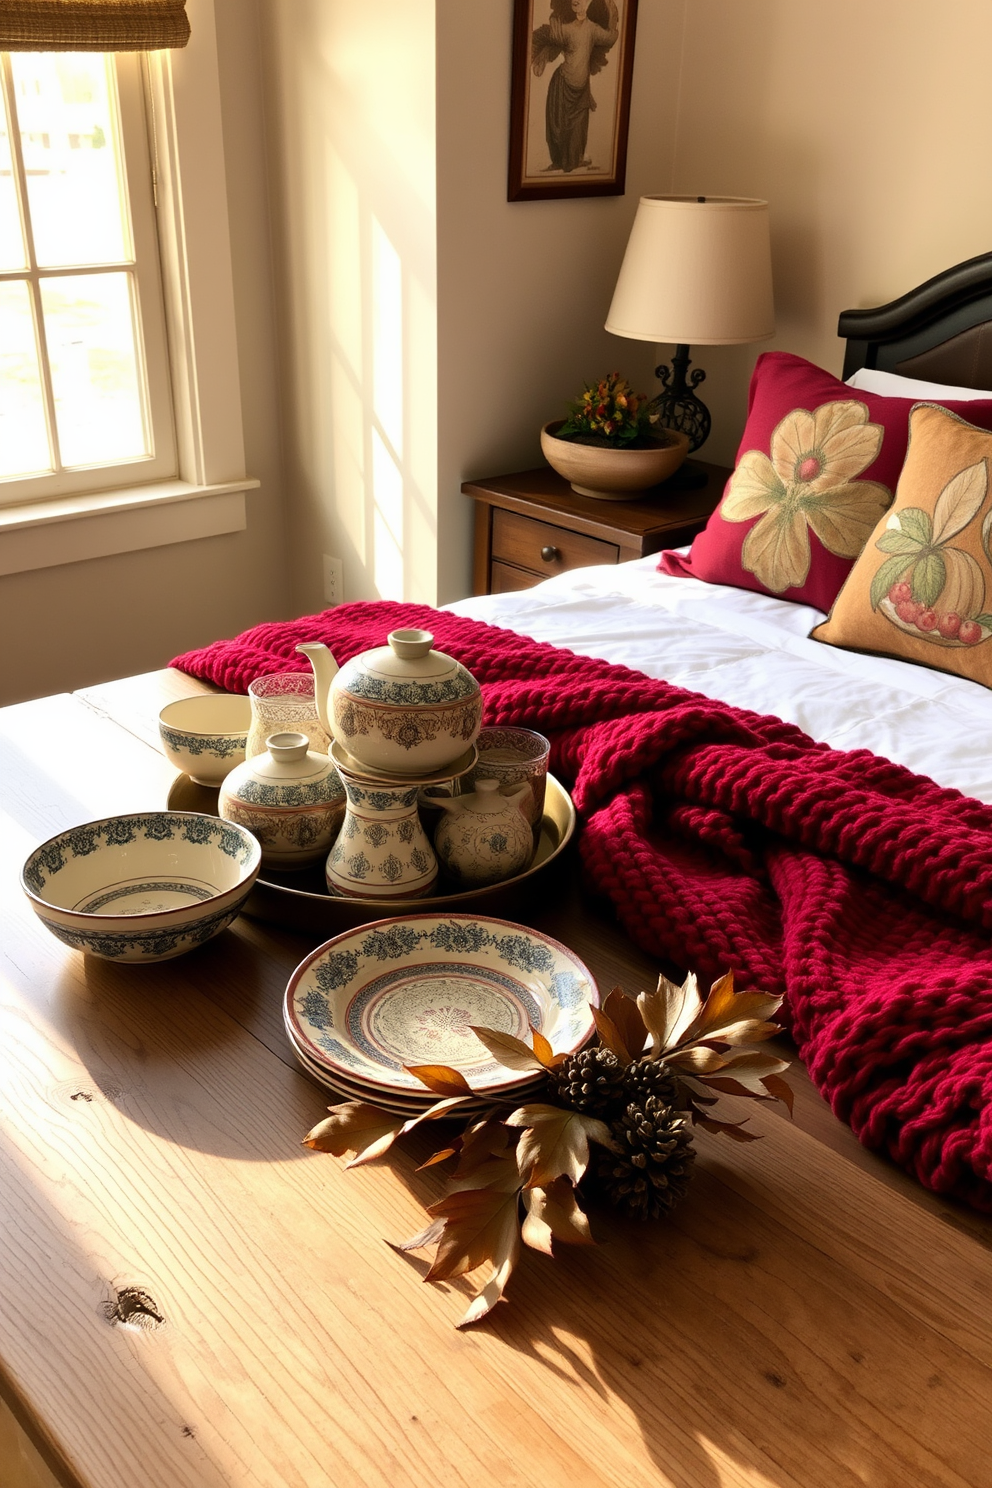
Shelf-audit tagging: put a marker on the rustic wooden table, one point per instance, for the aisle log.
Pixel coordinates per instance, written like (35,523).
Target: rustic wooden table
(809,1318)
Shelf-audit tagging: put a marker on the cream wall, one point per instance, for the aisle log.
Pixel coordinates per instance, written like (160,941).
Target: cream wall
(524,287)
(426,326)
(349,100)
(866,125)
(429,327)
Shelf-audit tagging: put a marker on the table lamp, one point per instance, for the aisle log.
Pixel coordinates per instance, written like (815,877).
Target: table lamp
(697,271)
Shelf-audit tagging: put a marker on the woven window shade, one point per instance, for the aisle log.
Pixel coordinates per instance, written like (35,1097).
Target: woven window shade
(92,25)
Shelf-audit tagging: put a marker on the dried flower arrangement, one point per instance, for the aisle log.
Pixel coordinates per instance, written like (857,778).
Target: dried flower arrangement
(635,1096)
(608,414)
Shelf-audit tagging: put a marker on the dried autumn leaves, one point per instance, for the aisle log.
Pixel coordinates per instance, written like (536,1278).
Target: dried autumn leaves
(517,1172)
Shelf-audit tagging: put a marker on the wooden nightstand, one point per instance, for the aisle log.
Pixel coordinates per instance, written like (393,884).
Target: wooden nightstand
(532,525)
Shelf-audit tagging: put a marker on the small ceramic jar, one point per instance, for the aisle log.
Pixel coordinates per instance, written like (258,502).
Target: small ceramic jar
(291,798)
(400,710)
(484,837)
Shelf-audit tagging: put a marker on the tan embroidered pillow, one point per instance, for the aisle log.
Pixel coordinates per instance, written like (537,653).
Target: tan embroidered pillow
(922,588)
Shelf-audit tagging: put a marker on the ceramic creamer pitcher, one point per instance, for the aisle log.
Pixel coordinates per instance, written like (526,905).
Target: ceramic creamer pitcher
(484,837)
(400,710)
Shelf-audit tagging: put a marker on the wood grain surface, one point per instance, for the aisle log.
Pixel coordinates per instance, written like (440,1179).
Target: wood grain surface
(190,1299)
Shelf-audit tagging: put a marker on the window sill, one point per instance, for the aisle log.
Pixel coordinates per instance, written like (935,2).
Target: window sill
(72,529)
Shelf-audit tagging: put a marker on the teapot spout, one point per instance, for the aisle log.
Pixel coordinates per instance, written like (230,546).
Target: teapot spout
(324,670)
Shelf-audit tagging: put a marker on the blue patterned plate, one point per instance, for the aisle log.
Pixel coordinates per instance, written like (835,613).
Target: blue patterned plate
(400,1105)
(407,991)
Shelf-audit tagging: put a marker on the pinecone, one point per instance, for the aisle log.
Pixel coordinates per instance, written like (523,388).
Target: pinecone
(591,1081)
(651,1172)
(646,1077)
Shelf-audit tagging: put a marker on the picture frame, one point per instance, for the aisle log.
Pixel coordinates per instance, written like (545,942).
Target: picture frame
(570,98)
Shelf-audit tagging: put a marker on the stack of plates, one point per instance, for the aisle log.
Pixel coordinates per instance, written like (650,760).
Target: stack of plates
(407,991)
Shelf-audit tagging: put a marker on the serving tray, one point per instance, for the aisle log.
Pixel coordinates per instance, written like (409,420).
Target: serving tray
(300,901)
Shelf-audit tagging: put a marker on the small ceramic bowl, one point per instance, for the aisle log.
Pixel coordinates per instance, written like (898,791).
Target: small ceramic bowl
(206,736)
(144,887)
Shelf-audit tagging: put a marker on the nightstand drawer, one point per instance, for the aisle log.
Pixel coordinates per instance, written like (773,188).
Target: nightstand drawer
(544,549)
(504,579)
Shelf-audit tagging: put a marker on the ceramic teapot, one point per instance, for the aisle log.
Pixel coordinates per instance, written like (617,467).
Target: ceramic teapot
(400,710)
(484,837)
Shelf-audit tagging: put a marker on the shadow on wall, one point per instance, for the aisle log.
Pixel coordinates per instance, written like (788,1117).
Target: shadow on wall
(354,225)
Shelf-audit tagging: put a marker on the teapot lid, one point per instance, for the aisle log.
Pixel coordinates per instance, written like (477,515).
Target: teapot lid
(407,671)
(409,653)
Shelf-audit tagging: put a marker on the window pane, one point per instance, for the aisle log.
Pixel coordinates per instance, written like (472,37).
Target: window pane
(66,108)
(23,437)
(12,254)
(91,348)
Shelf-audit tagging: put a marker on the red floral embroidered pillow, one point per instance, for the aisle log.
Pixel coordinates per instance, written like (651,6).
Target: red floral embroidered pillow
(816,469)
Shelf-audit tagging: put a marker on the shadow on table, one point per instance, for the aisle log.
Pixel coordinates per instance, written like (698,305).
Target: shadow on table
(737,1357)
(180,1048)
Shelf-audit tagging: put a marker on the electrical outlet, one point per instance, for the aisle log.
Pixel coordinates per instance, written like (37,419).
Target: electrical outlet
(333,580)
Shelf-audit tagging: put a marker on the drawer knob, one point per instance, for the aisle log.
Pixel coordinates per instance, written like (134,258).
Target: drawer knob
(549,554)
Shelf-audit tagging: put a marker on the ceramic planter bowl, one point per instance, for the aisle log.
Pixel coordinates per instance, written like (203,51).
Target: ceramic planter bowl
(144,887)
(400,710)
(205,736)
(613,474)
(290,797)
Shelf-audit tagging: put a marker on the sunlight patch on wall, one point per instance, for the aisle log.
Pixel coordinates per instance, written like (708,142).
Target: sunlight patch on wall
(348,455)
(344,262)
(387,337)
(387,521)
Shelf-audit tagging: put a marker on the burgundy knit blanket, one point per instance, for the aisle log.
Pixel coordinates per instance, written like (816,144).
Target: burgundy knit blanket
(728,839)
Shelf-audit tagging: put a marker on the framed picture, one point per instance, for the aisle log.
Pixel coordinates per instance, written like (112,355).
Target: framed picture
(570,97)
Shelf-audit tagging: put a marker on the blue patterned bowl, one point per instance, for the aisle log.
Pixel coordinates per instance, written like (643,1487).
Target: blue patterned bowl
(206,736)
(407,991)
(142,888)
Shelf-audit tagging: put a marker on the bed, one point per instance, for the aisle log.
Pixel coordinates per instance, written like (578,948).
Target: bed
(751,799)
(753,650)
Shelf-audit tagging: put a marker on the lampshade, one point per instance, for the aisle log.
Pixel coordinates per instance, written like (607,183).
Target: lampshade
(697,271)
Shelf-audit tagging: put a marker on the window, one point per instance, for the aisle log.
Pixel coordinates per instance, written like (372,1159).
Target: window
(77,512)
(85,397)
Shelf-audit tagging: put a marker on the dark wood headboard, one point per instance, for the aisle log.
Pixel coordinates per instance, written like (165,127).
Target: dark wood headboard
(941,331)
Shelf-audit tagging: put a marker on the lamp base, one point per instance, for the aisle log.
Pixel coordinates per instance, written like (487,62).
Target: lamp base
(677,407)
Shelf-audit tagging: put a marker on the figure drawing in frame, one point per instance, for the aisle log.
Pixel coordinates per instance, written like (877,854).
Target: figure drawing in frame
(582,33)
(570,100)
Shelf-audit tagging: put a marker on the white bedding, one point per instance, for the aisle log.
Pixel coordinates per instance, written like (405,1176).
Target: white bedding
(752,650)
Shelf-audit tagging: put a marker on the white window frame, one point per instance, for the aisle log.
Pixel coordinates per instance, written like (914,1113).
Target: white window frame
(152,348)
(207,496)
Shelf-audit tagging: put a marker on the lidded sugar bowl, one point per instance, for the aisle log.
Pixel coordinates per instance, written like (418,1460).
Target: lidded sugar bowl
(400,710)
(291,798)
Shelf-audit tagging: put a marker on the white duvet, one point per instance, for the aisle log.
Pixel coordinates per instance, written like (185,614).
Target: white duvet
(752,651)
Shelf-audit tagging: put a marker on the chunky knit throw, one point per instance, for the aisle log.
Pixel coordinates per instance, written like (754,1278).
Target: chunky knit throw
(728,839)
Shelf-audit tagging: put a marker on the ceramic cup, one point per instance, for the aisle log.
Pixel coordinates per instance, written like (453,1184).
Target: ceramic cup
(514,756)
(284,703)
